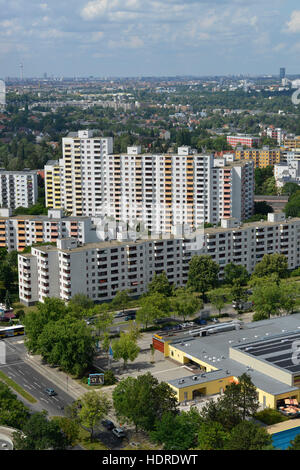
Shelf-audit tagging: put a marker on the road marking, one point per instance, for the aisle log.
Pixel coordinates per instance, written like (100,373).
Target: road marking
(44,399)
(38,385)
(27,386)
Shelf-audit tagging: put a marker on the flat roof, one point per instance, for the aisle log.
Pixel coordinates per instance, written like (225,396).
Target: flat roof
(276,350)
(214,350)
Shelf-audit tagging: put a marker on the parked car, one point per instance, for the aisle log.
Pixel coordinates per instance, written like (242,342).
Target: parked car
(50,392)
(119,314)
(131,312)
(119,432)
(130,317)
(108,424)
(215,320)
(200,321)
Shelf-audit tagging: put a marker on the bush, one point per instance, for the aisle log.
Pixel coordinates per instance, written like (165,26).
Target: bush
(270,416)
(296,272)
(109,378)
(20,313)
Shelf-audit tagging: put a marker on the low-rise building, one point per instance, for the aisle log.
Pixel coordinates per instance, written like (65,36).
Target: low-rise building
(217,355)
(242,139)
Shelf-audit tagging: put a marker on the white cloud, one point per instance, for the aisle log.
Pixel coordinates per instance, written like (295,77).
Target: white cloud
(293,26)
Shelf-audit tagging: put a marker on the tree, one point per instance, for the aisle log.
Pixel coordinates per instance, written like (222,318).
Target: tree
(290,189)
(176,431)
(185,304)
(239,401)
(94,407)
(272,264)
(235,273)
(267,299)
(153,306)
(69,343)
(13,413)
(289,294)
(237,293)
(103,321)
(203,274)
(249,398)
(292,208)
(295,444)
(69,428)
(125,348)
(143,400)
(121,300)
(40,434)
(212,436)
(35,321)
(80,301)
(248,436)
(160,285)
(217,298)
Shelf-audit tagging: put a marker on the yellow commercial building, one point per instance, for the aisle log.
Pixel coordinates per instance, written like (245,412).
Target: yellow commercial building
(218,355)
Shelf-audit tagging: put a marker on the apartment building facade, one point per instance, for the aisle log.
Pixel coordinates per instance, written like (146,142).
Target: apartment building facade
(242,139)
(261,157)
(156,191)
(75,182)
(24,230)
(99,270)
(18,188)
(291,142)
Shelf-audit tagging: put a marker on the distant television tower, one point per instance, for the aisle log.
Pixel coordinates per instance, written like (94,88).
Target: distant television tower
(21,69)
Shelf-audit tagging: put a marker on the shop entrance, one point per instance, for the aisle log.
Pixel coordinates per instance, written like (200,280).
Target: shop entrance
(201,392)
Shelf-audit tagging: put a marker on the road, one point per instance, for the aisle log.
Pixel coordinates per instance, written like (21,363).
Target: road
(32,381)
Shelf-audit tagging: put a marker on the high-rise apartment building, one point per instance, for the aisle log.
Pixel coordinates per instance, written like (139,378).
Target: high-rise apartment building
(2,95)
(75,182)
(156,191)
(18,188)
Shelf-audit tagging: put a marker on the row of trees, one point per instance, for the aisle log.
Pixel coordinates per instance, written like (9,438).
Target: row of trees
(151,406)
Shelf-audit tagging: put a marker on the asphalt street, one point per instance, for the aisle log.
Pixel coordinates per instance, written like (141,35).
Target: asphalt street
(31,380)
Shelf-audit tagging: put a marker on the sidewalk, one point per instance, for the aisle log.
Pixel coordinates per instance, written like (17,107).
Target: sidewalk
(64,381)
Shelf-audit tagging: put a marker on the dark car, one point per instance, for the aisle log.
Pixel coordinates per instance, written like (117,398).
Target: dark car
(50,392)
(130,317)
(131,312)
(108,424)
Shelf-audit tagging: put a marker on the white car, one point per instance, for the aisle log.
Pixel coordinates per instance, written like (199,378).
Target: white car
(118,432)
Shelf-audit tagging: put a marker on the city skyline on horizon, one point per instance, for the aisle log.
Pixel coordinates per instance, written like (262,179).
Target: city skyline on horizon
(131,38)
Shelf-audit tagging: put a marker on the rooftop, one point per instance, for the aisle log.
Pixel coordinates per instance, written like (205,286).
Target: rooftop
(265,336)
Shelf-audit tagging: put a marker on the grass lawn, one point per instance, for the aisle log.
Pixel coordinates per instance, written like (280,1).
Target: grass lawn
(17,388)
(85,441)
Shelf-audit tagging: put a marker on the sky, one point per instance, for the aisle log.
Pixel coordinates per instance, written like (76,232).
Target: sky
(105,38)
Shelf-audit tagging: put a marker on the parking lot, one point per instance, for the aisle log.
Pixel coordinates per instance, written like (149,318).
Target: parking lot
(160,367)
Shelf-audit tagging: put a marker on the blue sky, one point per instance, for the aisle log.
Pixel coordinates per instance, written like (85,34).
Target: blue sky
(148,37)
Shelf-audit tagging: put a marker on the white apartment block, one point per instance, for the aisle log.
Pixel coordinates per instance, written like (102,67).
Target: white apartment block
(18,188)
(156,191)
(288,172)
(25,230)
(75,182)
(99,270)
